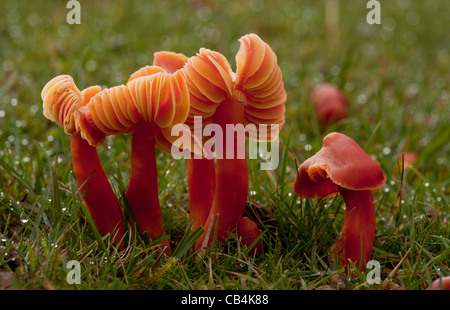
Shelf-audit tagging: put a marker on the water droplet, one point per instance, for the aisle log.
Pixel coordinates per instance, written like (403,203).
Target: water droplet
(362,99)
(23,218)
(91,65)
(335,70)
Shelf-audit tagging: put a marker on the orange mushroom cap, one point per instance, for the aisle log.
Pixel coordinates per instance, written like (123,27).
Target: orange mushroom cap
(151,94)
(257,83)
(60,97)
(170,61)
(340,162)
(259,77)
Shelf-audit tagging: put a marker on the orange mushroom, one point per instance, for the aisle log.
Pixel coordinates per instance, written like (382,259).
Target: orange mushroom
(61,98)
(253,95)
(330,103)
(149,105)
(201,171)
(341,166)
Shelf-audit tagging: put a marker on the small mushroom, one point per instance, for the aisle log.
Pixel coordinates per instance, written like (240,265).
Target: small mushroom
(148,106)
(408,158)
(441,284)
(330,103)
(341,166)
(248,232)
(61,98)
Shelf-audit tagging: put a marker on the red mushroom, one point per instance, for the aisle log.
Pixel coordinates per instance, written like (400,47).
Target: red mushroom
(248,232)
(150,104)
(254,95)
(61,99)
(342,166)
(330,103)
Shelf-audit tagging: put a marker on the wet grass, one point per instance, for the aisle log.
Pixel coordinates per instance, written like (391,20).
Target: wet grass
(396,76)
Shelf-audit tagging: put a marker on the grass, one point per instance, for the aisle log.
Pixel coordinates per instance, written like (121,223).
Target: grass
(395,75)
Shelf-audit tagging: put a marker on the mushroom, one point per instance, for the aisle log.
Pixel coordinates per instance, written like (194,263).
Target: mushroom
(441,284)
(253,95)
(248,232)
(149,105)
(341,166)
(330,104)
(61,98)
(408,158)
(200,171)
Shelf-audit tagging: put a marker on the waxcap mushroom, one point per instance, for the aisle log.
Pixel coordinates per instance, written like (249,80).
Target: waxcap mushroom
(341,166)
(253,95)
(330,103)
(61,101)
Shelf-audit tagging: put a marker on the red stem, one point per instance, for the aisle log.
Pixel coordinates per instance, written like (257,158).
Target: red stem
(358,227)
(231,189)
(201,185)
(142,191)
(99,198)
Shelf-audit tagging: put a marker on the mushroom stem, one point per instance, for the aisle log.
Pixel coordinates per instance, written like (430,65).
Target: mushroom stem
(98,194)
(231,185)
(142,191)
(358,227)
(201,185)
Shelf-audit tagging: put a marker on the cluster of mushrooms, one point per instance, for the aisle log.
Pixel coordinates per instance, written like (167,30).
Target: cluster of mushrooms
(176,89)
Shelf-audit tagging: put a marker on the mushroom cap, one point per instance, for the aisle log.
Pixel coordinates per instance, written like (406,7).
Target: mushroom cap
(340,162)
(60,97)
(169,61)
(257,83)
(151,94)
(144,71)
(330,102)
(259,77)
(210,81)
